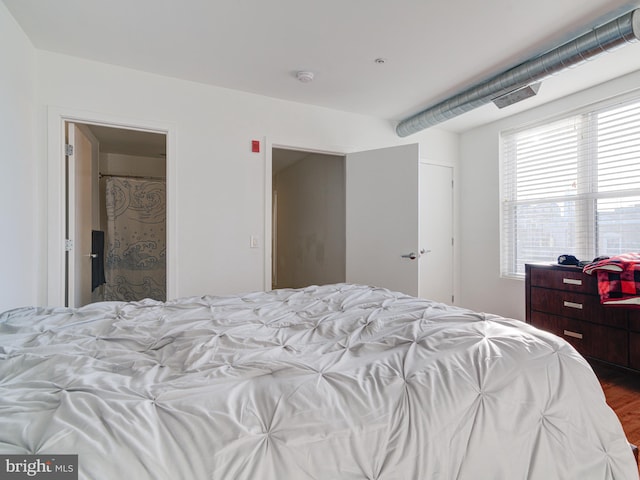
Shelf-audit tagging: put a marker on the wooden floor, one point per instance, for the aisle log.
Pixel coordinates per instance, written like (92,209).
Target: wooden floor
(622,390)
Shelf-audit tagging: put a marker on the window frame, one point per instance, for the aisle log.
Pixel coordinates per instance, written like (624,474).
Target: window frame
(586,199)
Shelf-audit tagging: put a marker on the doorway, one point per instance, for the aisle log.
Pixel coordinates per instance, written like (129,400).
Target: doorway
(398,220)
(308,218)
(115,223)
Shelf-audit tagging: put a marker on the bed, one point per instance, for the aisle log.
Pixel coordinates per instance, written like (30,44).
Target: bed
(326,382)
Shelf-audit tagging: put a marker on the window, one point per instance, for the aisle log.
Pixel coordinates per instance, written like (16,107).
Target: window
(571,186)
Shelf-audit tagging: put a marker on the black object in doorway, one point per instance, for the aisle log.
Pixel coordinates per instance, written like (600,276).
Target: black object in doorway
(97,259)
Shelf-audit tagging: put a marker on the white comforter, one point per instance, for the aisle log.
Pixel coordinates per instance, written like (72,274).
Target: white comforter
(332,382)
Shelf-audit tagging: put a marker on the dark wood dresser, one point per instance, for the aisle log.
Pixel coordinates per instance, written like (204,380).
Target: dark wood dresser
(563,300)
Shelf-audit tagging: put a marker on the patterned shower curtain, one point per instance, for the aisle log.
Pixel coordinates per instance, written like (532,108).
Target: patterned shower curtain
(135,263)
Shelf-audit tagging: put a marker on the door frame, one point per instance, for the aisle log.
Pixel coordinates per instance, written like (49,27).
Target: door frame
(56,212)
(269,145)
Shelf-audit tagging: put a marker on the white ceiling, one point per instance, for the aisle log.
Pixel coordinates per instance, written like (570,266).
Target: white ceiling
(432,48)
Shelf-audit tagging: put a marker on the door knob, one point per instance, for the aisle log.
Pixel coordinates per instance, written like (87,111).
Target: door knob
(411,256)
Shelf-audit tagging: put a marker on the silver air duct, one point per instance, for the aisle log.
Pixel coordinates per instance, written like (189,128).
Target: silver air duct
(616,33)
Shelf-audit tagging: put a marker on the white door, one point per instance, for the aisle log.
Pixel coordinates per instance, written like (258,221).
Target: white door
(79,215)
(436,232)
(382,218)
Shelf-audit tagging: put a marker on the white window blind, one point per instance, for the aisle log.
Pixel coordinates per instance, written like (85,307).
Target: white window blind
(571,186)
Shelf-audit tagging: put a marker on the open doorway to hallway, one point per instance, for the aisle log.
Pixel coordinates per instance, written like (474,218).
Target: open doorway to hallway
(308,215)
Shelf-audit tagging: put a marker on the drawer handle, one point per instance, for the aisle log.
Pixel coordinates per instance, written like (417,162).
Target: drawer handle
(573,305)
(571,281)
(569,333)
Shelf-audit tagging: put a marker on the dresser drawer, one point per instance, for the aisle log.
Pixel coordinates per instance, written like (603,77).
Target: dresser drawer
(591,340)
(566,278)
(634,320)
(577,306)
(634,350)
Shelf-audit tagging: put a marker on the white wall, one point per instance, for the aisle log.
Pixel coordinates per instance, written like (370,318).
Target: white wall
(122,164)
(481,287)
(216,183)
(21,240)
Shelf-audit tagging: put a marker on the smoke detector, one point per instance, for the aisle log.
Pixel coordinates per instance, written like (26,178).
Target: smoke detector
(305,77)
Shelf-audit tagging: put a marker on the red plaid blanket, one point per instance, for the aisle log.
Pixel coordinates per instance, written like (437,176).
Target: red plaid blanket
(618,279)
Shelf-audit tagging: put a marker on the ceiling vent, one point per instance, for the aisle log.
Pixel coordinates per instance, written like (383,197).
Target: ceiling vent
(523,81)
(516,96)
(305,77)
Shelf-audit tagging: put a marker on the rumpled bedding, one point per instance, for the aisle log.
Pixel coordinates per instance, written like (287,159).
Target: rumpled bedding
(326,382)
